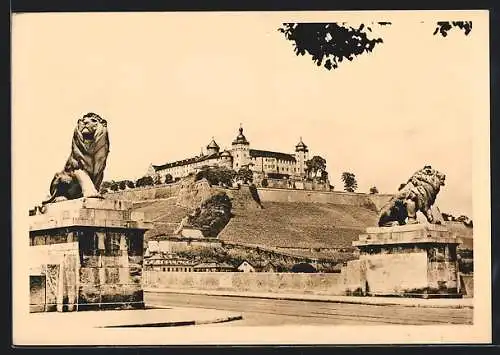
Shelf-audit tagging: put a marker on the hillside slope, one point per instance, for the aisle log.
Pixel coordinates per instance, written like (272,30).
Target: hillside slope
(165,214)
(298,225)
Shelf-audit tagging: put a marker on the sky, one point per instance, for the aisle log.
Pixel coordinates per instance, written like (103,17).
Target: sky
(169,82)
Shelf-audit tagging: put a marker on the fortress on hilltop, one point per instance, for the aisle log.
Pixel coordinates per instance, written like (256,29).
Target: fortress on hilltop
(261,162)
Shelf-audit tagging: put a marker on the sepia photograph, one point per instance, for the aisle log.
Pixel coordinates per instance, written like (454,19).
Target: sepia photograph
(251,178)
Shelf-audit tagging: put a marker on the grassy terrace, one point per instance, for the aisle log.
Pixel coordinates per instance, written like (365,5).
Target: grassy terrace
(165,214)
(299,225)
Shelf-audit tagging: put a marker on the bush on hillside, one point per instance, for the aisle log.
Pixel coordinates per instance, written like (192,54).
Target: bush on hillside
(145,181)
(216,175)
(213,214)
(168,179)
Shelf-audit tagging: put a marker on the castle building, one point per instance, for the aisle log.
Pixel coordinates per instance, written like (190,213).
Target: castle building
(262,162)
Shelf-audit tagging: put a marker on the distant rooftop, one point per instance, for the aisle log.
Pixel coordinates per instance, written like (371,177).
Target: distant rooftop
(186,161)
(268,154)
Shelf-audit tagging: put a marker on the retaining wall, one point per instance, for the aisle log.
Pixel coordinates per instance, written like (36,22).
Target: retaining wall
(146,193)
(327,284)
(334,197)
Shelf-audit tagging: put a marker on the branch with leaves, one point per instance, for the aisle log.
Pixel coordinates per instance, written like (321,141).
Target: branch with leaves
(331,43)
(444,26)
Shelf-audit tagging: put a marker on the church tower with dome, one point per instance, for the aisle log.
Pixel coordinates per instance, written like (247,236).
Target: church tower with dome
(240,151)
(301,155)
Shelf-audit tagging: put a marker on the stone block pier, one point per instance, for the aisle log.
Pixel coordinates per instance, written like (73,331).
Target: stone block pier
(414,259)
(86,254)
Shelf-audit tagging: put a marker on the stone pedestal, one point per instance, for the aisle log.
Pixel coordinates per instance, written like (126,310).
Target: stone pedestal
(86,254)
(409,260)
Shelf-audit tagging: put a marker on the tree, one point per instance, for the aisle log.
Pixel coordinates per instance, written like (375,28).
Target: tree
(216,175)
(303,267)
(122,185)
(107,184)
(331,43)
(444,26)
(168,179)
(245,175)
(144,181)
(350,183)
(157,179)
(130,184)
(315,165)
(324,176)
(214,213)
(373,190)
(447,217)
(114,186)
(465,220)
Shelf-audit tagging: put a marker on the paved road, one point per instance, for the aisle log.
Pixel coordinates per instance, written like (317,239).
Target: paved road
(266,312)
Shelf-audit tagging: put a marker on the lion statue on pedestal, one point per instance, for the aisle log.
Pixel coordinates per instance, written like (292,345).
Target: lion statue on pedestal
(84,170)
(418,194)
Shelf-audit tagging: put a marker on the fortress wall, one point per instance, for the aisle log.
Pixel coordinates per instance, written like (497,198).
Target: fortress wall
(334,197)
(265,194)
(146,193)
(327,284)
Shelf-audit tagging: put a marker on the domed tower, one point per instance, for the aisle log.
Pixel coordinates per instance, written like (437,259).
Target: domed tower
(240,150)
(301,155)
(212,147)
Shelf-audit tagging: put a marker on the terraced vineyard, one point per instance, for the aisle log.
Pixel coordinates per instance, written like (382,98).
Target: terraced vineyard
(165,214)
(299,225)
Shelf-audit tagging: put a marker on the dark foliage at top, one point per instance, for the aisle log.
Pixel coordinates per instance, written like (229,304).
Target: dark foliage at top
(330,43)
(444,26)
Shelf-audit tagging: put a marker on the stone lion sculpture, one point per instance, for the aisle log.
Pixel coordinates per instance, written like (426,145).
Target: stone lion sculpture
(418,194)
(84,170)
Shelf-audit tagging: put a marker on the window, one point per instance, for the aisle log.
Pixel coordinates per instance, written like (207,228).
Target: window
(163,269)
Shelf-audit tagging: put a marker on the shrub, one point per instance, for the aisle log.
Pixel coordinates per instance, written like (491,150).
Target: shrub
(216,175)
(168,179)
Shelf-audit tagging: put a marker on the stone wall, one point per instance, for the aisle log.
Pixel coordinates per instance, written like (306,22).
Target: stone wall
(187,191)
(327,284)
(179,245)
(146,193)
(335,197)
